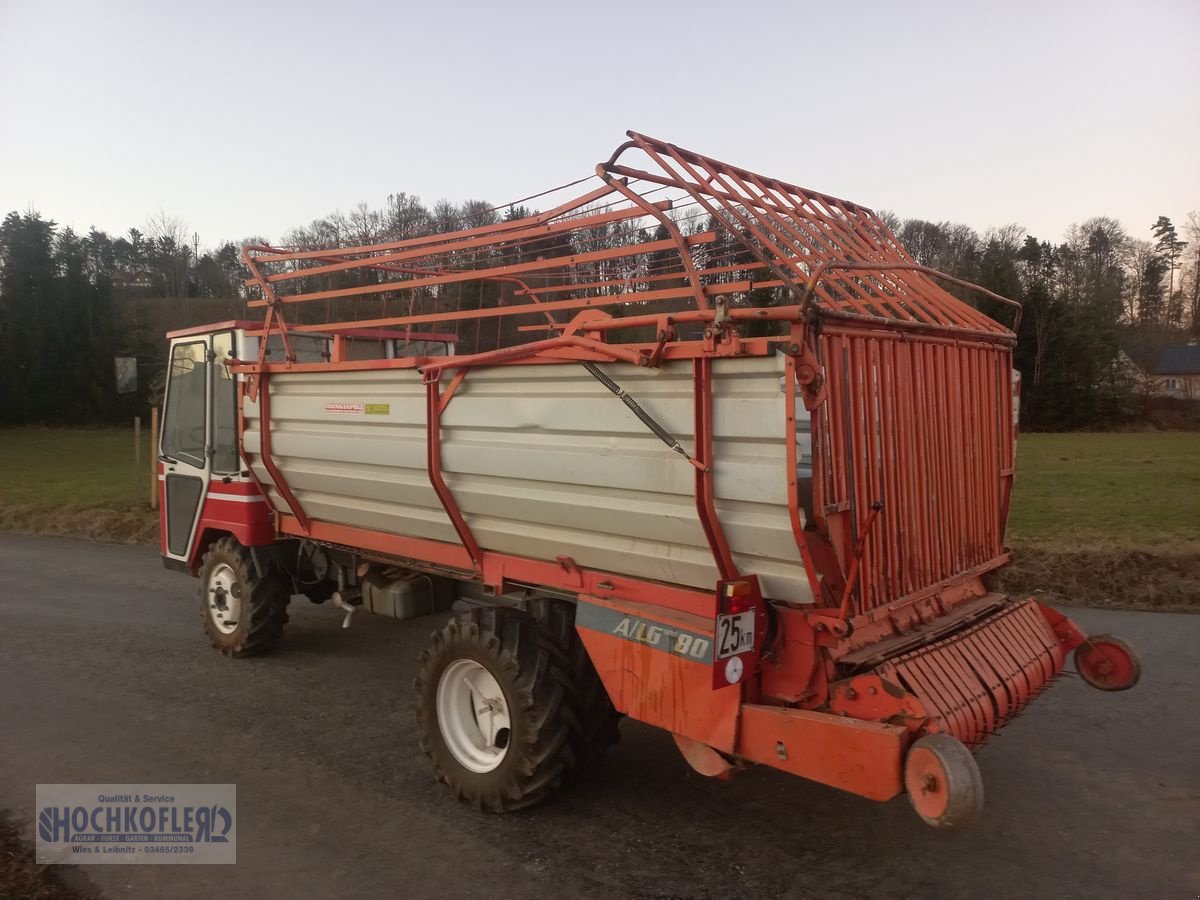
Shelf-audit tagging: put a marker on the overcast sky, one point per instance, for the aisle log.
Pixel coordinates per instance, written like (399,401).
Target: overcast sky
(249,118)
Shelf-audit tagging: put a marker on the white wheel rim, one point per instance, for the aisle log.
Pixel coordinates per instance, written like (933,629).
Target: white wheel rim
(224,596)
(473,716)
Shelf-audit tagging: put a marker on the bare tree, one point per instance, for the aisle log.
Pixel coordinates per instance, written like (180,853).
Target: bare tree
(170,255)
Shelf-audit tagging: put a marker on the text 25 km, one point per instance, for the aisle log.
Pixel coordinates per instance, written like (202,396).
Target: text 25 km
(735,634)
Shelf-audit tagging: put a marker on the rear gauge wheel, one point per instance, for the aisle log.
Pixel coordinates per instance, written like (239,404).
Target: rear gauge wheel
(943,781)
(1107,663)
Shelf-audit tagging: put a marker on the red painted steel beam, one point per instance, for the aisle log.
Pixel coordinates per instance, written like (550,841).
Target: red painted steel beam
(706,506)
(911,267)
(519,351)
(264,431)
(274,313)
(660,276)
(280,254)
(433,444)
(500,568)
(638,139)
(516,237)
(539,265)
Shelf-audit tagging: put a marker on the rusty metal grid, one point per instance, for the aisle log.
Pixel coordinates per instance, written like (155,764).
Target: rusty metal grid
(923,428)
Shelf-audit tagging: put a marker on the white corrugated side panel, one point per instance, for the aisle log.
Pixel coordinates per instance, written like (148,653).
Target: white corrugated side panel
(544,461)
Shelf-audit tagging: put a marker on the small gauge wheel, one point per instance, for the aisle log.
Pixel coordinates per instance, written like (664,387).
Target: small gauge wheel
(943,781)
(1107,663)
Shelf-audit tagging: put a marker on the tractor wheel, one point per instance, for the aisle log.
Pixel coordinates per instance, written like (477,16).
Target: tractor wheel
(599,720)
(243,614)
(496,709)
(943,781)
(1107,663)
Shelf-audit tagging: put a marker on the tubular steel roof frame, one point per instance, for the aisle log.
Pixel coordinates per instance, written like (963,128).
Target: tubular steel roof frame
(838,259)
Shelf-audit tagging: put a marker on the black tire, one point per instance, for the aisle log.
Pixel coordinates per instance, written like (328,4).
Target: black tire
(599,720)
(265,599)
(533,673)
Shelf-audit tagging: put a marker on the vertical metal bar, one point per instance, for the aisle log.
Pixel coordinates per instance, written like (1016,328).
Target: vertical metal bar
(911,541)
(851,446)
(986,473)
(892,537)
(929,451)
(965,498)
(706,505)
(951,504)
(264,433)
(792,454)
(876,545)
(433,446)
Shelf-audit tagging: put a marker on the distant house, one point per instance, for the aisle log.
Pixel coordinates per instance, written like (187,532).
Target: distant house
(1175,372)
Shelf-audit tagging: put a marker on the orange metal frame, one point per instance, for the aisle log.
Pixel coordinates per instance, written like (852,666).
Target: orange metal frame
(909,488)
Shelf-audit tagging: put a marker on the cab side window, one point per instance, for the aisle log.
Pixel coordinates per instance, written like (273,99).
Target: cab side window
(183,433)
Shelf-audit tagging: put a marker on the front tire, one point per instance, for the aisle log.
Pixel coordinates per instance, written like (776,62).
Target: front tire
(243,614)
(496,709)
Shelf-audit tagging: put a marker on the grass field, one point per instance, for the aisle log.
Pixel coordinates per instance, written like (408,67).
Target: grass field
(76,482)
(1077,489)
(1103,519)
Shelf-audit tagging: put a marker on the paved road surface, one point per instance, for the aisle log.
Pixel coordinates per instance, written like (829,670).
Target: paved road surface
(105,677)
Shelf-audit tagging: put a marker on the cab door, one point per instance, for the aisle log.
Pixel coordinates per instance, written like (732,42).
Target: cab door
(185,442)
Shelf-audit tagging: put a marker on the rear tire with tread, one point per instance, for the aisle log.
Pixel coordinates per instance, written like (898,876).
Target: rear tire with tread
(534,674)
(599,719)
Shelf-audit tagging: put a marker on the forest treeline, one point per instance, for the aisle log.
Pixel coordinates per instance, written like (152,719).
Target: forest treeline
(1087,298)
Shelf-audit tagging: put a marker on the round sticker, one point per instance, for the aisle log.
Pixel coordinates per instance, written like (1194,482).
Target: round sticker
(733,670)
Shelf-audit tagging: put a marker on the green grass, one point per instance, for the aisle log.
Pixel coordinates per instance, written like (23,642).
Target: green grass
(1126,489)
(81,468)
